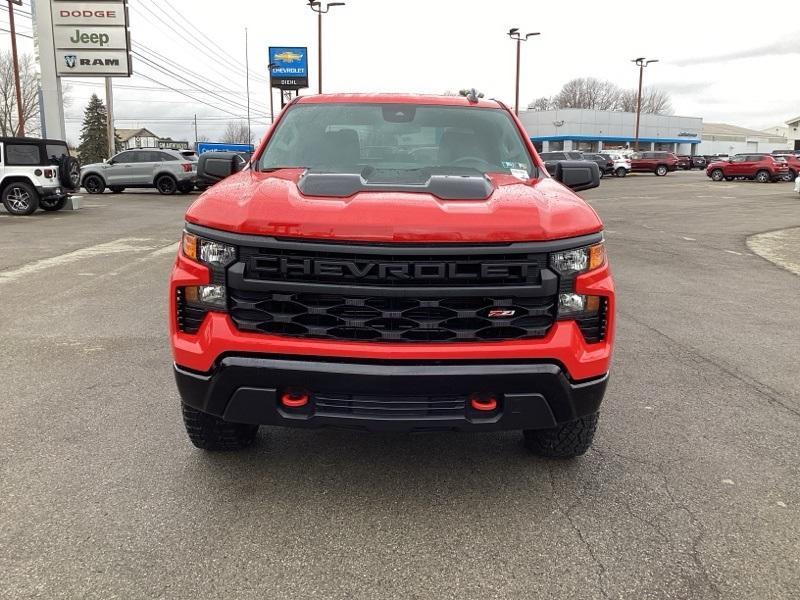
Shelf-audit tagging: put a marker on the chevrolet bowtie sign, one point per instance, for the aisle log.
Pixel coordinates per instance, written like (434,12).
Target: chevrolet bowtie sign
(91,38)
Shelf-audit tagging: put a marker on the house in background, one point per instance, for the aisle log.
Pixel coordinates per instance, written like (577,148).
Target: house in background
(129,139)
(136,138)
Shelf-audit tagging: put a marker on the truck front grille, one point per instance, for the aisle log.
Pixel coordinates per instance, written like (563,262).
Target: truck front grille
(393,293)
(392,318)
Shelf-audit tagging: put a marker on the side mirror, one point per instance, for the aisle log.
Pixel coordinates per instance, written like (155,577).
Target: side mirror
(216,166)
(578,175)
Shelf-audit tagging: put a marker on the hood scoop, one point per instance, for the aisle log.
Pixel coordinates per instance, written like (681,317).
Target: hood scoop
(449,184)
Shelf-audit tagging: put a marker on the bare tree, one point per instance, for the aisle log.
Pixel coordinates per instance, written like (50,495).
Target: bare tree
(591,93)
(543,103)
(236,133)
(8,97)
(656,102)
(588,92)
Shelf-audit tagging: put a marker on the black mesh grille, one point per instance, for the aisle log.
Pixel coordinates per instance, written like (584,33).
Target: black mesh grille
(189,317)
(392,319)
(399,407)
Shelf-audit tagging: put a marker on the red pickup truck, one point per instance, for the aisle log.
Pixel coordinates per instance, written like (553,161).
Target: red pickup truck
(659,163)
(393,263)
(760,167)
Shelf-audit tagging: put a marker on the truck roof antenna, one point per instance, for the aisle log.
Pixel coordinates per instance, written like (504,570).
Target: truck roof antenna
(472,95)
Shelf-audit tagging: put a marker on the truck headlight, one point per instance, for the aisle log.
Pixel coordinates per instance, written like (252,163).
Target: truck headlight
(211,296)
(578,260)
(209,252)
(577,305)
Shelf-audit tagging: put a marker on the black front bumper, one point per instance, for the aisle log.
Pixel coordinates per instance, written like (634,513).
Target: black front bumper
(389,396)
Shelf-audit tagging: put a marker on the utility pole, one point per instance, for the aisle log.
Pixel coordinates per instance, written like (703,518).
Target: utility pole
(642,63)
(111,132)
(247,73)
(318,8)
(514,34)
(195,132)
(15,59)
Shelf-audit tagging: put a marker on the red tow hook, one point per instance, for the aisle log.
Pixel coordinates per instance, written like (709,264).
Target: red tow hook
(486,403)
(294,399)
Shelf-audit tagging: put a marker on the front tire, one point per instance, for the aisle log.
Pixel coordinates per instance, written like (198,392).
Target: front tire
(20,198)
(717,175)
(53,205)
(661,170)
(166,185)
(621,172)
(763,177)
(568,440)
(208,432)
(94,184)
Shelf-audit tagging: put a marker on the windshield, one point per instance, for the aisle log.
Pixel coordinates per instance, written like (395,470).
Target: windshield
(346,138)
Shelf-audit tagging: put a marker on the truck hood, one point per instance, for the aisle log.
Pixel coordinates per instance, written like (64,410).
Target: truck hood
(270,204)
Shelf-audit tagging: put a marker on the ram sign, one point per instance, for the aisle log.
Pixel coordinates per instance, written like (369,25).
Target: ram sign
(288,67)
(91,38)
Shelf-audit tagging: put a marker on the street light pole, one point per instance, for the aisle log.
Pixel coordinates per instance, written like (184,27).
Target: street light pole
(13,32)
(247,84)
(514,34)
(642,62)
(320,9)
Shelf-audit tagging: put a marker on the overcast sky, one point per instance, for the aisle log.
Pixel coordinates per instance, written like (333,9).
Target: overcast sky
(716,64)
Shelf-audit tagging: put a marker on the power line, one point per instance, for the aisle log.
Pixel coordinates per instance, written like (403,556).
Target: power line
(18,33)
(157,58)
(162,84)
(235,61)
(170,73)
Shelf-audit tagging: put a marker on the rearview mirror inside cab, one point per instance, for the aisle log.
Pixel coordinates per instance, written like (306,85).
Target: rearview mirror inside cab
(578,174)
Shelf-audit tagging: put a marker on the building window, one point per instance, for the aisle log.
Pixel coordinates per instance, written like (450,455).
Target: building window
(556,145)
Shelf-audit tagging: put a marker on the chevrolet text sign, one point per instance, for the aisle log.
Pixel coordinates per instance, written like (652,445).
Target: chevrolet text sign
(289,70)
(91,38)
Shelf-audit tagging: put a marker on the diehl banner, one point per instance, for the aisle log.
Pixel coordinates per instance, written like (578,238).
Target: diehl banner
(289,70)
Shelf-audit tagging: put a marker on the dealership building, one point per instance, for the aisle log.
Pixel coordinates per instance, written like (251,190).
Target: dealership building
(596,130)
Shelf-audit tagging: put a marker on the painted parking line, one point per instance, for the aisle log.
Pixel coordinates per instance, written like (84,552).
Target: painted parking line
(119,246)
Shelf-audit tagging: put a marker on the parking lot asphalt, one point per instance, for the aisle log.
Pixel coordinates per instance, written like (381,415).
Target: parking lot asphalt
(690,492)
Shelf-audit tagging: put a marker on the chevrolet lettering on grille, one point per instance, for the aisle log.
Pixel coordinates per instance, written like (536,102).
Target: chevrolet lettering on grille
(298,268)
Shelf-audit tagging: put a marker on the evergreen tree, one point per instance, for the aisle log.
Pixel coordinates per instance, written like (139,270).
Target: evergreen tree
(94,133)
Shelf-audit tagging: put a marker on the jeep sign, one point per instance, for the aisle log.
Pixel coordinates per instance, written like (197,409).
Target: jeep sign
(91,38)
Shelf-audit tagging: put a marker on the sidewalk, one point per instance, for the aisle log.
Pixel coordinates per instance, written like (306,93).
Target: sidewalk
(781,247)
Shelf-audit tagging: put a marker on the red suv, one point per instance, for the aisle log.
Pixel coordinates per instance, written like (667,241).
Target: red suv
(393,263)
(761,167)
(659,163)
(793,162)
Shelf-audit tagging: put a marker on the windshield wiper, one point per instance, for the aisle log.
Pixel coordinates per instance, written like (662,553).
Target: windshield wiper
(271,169)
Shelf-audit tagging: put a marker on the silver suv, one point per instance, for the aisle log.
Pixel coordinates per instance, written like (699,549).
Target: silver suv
(168,171)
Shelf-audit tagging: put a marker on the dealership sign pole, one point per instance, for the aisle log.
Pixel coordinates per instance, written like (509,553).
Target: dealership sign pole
(79,39)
